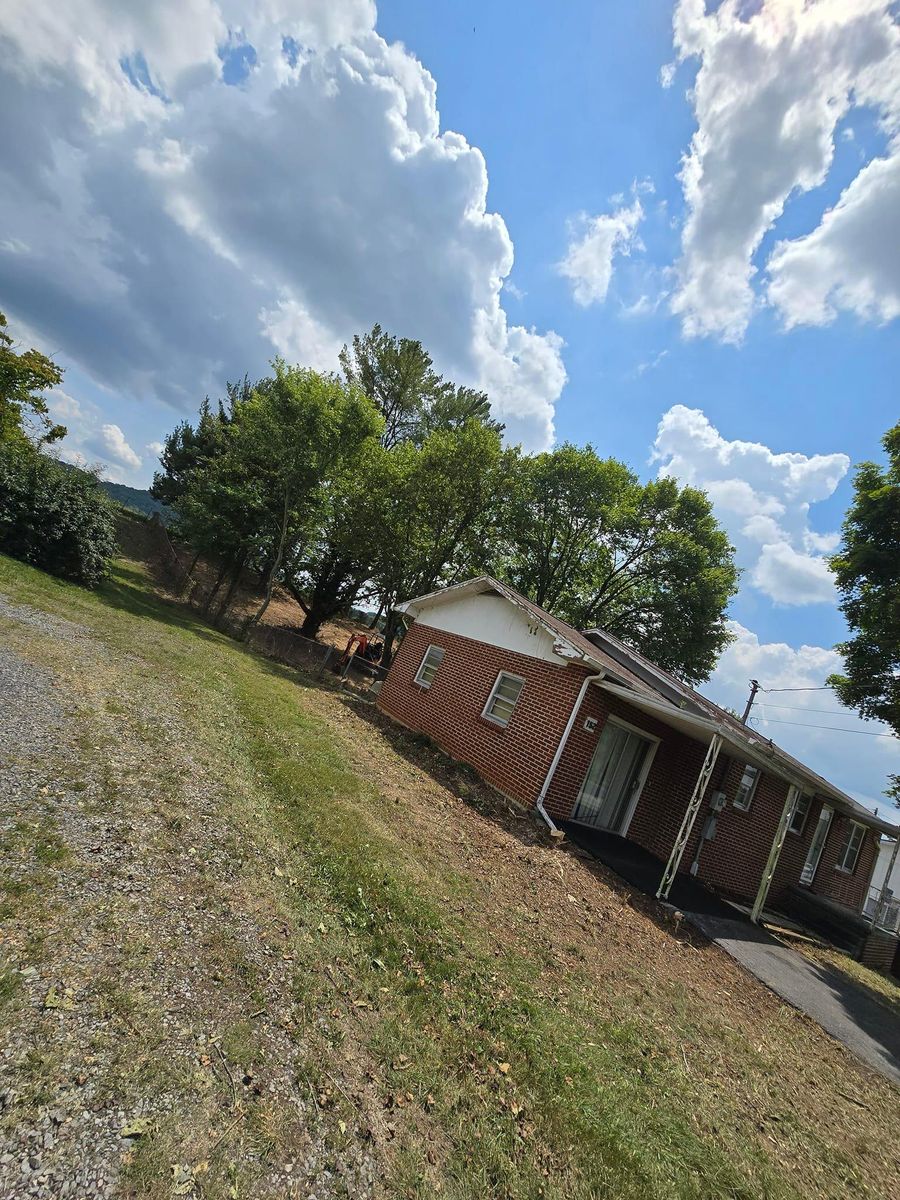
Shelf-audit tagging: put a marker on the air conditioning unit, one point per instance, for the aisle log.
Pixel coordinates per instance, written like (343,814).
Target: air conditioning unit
(717,801)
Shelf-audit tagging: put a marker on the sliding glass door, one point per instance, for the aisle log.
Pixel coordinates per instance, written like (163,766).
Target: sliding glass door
(614,777)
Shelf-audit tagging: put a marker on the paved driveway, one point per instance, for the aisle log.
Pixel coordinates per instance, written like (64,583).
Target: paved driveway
(844,1009)
(866,1027)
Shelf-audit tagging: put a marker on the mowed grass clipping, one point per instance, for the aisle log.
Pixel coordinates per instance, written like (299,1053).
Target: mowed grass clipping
(497,1081)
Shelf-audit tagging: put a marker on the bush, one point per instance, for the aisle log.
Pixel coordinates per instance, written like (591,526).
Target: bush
(54,517)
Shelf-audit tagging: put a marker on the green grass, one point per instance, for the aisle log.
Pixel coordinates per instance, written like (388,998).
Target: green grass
(497,1083)
(884,987)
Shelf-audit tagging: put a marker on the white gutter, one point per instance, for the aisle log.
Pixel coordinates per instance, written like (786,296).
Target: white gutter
(554,830)
(754,748)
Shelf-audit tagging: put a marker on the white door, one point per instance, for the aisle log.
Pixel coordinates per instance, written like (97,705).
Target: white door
(613,778)
(816,846)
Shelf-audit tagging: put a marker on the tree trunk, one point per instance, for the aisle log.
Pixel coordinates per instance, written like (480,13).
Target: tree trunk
(333,590)
(312,623)
(258,615)
(233,585)
(189,583)
(391,626)
(219,581)
(373,624)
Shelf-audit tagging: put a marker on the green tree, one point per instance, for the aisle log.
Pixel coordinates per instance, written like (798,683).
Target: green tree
(647,562)
(867,572)
(53,516)
(264,493)
(435,498)
(397,376)
(452,406)
(23,377)
(332,569)
(189,447)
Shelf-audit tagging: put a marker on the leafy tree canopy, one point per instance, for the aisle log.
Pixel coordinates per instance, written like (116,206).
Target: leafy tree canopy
(189,447)
(397,374)
(263,491)
(867,571)
(23,377)
(584,538)
(53,516)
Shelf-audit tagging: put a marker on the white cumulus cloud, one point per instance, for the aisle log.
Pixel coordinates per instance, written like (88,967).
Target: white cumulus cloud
(594,243)
(774,79)
(791,576)
(92,442)
(851,261)
(111,443)
(762,497)
(788,717)
(178,230)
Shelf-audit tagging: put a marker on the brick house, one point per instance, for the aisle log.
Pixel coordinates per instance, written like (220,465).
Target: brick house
(589,731)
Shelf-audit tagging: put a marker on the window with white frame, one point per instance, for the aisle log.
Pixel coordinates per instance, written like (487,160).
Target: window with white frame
(801,812)
(744,794)
(429,665)
(503,698)
(848,856)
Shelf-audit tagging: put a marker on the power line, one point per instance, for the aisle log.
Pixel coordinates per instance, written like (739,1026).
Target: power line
(831,728)
(825,688)
(802,708)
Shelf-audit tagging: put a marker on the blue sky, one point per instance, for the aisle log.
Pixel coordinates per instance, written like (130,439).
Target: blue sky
(516,184)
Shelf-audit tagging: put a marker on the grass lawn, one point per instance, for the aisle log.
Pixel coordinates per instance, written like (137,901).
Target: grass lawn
(487,1014)
(885,988)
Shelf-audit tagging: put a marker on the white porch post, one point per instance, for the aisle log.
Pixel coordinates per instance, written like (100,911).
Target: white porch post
(690,816)
(885,887)
(765,883)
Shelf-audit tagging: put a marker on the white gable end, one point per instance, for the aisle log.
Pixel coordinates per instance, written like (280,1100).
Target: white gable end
(492,619)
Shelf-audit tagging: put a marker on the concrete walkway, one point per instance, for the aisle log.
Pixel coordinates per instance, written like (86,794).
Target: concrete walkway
(844,1009)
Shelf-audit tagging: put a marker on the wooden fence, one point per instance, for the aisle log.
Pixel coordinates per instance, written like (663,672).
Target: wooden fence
(280,644)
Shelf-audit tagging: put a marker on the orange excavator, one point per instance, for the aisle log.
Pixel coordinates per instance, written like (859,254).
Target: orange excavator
(360,646)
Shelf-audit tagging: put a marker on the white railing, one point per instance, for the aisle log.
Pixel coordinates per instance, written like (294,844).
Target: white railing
(883,910)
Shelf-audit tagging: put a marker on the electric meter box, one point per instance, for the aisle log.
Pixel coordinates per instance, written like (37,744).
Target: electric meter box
(717,801)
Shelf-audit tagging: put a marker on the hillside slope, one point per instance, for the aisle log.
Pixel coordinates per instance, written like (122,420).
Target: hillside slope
(258,942)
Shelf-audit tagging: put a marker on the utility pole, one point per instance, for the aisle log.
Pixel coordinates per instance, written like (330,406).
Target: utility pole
(754,688)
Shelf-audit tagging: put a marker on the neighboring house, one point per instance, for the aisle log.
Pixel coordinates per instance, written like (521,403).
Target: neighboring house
(588,730)
(883,900)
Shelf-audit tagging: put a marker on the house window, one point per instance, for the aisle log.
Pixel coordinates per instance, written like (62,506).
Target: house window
(429,665)
(848,855)
(502,700)
(801,812)
(747,787)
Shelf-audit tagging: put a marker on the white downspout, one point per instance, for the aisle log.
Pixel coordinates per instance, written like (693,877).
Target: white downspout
(554,830)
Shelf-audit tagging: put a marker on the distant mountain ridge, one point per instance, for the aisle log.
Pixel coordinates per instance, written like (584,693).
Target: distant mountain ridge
(138,499)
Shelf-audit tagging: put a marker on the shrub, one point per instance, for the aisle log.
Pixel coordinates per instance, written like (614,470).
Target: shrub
(53,516)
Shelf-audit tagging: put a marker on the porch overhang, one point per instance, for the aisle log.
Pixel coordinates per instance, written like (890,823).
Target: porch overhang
(699,728)
(750,749)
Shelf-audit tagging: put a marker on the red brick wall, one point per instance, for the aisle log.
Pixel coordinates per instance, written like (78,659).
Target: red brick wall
(669,783)
(734,860)
(514,759)
(838,885)
(879,950)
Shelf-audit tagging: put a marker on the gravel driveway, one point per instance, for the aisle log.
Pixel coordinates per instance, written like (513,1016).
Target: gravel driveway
(124,952)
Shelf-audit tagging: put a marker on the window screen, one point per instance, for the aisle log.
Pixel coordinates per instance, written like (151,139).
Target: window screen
(429,665)
(503,698)
(747,786)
